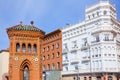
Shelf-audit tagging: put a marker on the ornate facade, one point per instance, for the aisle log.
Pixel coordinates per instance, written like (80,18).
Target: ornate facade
(25,61)
(91,48)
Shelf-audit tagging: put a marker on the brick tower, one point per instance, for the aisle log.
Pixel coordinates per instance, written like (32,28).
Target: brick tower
(25,49)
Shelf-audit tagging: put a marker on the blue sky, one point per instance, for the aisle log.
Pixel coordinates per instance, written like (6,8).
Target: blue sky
(48,15)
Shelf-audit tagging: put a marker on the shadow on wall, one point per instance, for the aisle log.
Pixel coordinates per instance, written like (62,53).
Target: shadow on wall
(5,76)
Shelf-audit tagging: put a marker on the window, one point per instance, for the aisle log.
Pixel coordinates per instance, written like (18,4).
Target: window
(52,46)
(48,48)
(52,55)
(43,57)
(35,48)
(53,66)
(58,54)
(66,68)
(48,66)
(110,78)
(105,12)
(44,67)
(26,73)
(58,65)
(57,45)
(85,42)
(23,48)
(48,57)
(17,47)
(44,50)
(74,44)
(98,14)
(29,47)
(76,67)
(66,57)
(65,46)
(97,39)
(106,37)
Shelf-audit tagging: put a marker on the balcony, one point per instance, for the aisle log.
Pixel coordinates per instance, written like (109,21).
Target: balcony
(84,47)
(95,41)
(65,51)
(75,48)
(86,58)
(65,62)
(108,39)
(76,60)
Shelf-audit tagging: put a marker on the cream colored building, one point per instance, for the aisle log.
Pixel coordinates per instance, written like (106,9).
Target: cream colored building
(4,62)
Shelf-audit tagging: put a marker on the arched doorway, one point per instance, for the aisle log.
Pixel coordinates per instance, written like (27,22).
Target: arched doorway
(25,70)
(26,73)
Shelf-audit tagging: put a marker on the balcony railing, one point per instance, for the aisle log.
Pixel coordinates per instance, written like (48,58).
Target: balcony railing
(86,58)
(95,41)
(74,49)
(76,60)
(108,39)
(85,47)
(65,62)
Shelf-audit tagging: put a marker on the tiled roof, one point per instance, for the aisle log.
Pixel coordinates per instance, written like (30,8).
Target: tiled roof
(24,27)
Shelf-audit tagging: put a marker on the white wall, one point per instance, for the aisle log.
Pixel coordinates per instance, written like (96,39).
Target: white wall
(4,63)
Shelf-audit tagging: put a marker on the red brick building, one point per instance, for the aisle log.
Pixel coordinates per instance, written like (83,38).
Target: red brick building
(30,49)
(52,51)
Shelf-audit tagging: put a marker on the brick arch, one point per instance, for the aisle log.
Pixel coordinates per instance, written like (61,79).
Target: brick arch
(25,63)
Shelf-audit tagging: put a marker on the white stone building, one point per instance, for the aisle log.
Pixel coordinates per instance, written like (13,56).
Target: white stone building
(91,48)
(4,64)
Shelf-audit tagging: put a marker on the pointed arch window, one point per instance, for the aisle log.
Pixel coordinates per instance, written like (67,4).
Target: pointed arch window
(17,47)
(23,47)
(35,48)
(29,47)
(26,73)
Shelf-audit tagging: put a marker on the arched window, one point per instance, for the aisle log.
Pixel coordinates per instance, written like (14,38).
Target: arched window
(53,66)
(48,66)
(29,47)
(110,78)
(58,65)
(23,48)
(35,48)
(17,47)
(26,73)
(58,54)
